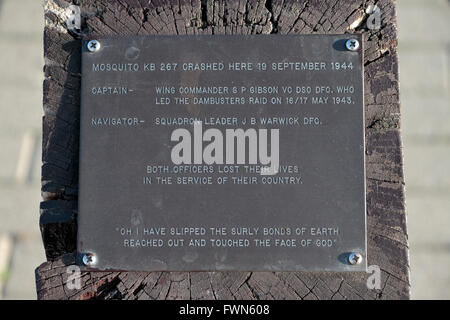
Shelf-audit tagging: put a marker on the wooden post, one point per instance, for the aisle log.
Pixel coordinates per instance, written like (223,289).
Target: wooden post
(386,217)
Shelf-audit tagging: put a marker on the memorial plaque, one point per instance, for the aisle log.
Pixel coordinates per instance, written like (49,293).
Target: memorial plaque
(203,153)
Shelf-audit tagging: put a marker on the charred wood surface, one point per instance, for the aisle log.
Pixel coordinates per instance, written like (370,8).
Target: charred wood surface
(386,217)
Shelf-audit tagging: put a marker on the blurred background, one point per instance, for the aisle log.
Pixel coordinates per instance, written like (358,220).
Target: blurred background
(21,63)
(424,55)
(424,51)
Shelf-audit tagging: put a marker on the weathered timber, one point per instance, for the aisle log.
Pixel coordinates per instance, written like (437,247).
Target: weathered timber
(386,216)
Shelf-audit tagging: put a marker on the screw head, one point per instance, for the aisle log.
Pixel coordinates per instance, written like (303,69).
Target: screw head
(89,259)
(352,44)
(355,258)
(93,45)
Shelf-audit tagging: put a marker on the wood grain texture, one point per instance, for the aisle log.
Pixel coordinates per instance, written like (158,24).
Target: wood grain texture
(386,217)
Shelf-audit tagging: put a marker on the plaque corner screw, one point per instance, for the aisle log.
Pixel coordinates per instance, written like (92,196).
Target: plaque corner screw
(352,44)
(93,45)
(89,259)
(355,258)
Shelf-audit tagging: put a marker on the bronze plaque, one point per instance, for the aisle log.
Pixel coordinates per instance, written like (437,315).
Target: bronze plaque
(216,153)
